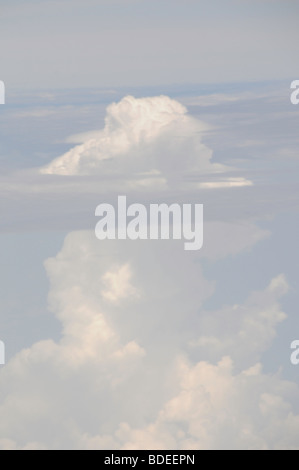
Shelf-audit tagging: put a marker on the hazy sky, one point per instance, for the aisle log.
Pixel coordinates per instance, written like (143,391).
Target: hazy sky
(73,43)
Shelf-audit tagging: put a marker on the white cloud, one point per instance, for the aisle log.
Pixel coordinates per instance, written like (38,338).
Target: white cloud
(153,140)
(117,284)
(216,409)
(212,100)
(120,377)
(228,183)
(243,331)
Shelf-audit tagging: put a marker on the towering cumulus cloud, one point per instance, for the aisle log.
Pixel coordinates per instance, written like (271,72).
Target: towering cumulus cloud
(152,138)
(140,365)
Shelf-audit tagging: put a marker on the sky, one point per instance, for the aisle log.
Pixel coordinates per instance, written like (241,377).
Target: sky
(71,43)
(122,344)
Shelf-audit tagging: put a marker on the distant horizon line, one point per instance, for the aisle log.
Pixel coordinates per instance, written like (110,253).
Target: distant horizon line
(171,86)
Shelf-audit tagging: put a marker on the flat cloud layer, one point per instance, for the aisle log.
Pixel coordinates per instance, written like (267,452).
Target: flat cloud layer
(152,138)
(134,367)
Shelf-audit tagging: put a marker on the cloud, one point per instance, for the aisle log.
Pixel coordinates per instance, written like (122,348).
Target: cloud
(222,239)
(228,183)
(216,409)
(243,331)
(123,374)
(152,139)
(212,100)
(35,113)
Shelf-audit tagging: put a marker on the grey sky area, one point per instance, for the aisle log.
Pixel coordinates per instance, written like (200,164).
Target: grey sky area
(71,43)
(122,344)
